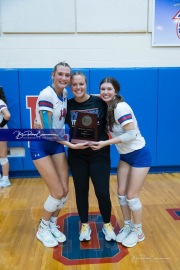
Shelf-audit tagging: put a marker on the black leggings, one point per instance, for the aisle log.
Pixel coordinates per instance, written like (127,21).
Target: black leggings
(97,166)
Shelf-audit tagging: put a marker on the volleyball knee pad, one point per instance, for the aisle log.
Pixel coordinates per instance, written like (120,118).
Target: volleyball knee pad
(51,204)
(62,203)
(134,204)
(122,200)
(3,161)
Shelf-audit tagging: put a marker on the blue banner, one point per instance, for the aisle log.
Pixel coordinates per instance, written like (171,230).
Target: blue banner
(34,134)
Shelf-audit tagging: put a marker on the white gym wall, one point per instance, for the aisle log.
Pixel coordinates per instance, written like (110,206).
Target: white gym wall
(85,33)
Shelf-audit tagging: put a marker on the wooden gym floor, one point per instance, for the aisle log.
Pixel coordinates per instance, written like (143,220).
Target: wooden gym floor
(21,208)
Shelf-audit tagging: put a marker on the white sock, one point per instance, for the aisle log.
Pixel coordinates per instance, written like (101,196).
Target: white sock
(44,223)
(138,228)
(128,223)
(5,178)
(53,219)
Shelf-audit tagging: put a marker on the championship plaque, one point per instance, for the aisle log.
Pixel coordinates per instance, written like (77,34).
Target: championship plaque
(85,129)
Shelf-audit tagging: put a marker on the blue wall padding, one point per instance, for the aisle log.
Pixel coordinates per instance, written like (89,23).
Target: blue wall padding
(31,82)
(153,94)
(168,128)
(9,80)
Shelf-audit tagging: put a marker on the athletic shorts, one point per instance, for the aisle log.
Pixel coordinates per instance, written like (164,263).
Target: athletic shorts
(139,158)
(40,149)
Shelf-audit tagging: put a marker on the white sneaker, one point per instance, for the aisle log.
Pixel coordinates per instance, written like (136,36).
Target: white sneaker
(85,233)
(108,231)
(46,237)
(133,238)
(123,233)
(58,235)
(4,183)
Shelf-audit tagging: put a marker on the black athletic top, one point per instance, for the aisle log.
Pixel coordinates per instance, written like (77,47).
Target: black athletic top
(93,105)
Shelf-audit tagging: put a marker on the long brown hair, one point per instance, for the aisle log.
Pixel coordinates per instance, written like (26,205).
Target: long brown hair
(110,113)
(2,95)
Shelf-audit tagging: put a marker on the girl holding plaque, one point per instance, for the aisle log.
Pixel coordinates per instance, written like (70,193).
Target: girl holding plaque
(135,159)
(85,164)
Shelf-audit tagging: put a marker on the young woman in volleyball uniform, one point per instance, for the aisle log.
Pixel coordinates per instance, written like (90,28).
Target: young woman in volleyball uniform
(49,156)
(135,160)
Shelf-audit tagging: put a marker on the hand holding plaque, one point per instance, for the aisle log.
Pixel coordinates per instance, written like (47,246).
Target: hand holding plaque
(85,129)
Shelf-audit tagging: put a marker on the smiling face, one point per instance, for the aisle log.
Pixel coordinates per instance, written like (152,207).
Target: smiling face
(78,87)
(61,78)
(107,92)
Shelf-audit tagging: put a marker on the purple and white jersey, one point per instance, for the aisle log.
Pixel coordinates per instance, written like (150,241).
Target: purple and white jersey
(123,115)
(48,100)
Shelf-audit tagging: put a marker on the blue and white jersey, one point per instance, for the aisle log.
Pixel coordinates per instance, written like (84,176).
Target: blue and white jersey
(2,106)
(123,115)
(48,100)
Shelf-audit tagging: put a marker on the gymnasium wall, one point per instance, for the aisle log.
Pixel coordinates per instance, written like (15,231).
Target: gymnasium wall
(153,93)
(101,38)
(86,34)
